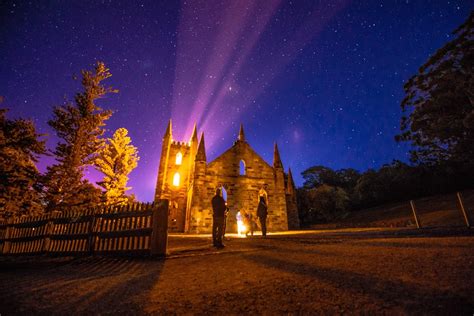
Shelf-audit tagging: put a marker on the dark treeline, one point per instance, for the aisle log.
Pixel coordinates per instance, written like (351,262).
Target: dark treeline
(329,195)
(438,121)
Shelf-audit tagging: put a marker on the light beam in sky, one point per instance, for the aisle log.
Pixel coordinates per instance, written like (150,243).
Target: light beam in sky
(323,78)
(215,42)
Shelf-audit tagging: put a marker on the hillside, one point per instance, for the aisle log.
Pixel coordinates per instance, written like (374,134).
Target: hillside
(433,211)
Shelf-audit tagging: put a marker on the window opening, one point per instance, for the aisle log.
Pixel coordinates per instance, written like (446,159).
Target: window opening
(179,158)
(176,179)
(242,168)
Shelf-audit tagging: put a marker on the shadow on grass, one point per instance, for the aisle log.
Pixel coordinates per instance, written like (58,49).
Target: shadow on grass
(333,237)
(411,297)
(91,285)
(405,245)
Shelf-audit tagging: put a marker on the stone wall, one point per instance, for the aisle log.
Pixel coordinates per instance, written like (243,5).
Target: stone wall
(190,201)
(242,190)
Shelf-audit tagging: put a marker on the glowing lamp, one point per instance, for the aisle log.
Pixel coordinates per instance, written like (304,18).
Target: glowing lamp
(241,228)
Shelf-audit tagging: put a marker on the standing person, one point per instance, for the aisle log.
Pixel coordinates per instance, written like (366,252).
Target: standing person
(218,208)
(262,212)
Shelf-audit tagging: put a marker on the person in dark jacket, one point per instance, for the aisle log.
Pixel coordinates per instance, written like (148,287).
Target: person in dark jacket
(218,217)
(262,212)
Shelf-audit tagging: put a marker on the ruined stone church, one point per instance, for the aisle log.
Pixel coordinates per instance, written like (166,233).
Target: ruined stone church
(189,182)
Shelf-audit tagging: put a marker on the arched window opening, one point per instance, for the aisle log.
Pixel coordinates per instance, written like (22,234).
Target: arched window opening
(242,168)
(176,179)
(179,158)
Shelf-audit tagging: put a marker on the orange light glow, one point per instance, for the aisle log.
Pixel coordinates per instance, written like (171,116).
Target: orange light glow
(241,228)
(176,179)
(179,158)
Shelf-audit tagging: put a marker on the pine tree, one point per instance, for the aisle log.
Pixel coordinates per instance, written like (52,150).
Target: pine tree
(79,126)
(19,150)
(116,159)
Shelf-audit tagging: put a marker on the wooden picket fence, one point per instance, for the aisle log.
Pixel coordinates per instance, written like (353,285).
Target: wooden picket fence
(131,229)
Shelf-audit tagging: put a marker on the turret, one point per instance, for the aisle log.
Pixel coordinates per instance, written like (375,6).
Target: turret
(200,163)
(291,203)
(194,138)
(194,142)
(276,158)
(168,130)
(278,170)
(201,153)
(241,134)
(290,184)
(162,169)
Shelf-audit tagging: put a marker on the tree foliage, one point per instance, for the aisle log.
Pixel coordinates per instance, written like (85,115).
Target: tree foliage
(323,204)
(439,103)
(79,126)
(116,159)
(392,182)
(20,147)
(318,175)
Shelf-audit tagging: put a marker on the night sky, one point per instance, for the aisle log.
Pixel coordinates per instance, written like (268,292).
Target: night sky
(323,80)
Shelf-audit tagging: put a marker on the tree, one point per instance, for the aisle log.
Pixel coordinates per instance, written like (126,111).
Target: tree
(318,175)
(347,178)
(79,127)
(116,159)
(439,103)
(19,150)
(322,204)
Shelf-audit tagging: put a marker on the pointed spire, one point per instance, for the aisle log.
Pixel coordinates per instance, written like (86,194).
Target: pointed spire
(276,158)
(290,186)
(241,133)
(201,153)
(168,130)
(194,137)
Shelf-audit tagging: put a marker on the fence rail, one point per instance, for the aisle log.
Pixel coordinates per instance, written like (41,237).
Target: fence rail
(135,228)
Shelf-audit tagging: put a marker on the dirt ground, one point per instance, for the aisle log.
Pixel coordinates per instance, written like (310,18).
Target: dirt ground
(336,272)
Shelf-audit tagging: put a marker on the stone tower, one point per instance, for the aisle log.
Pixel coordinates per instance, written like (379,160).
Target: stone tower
(189,181)
(175,174)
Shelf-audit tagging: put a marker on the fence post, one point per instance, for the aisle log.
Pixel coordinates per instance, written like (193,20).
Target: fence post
(91,234)
(413,208)
(463,210)
(159,235)
(47,234)
(6,244)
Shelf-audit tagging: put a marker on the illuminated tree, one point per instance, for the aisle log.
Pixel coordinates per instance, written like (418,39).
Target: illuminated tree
(19,150)
(439,103)
(116,159)
(79,127)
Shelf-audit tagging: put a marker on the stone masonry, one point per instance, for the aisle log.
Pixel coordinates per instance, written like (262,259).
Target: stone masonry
(189,182)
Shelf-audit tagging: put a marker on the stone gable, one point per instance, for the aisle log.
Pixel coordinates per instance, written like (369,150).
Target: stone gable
(190,202)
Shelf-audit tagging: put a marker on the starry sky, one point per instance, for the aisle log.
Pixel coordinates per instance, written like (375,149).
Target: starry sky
(324,79)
